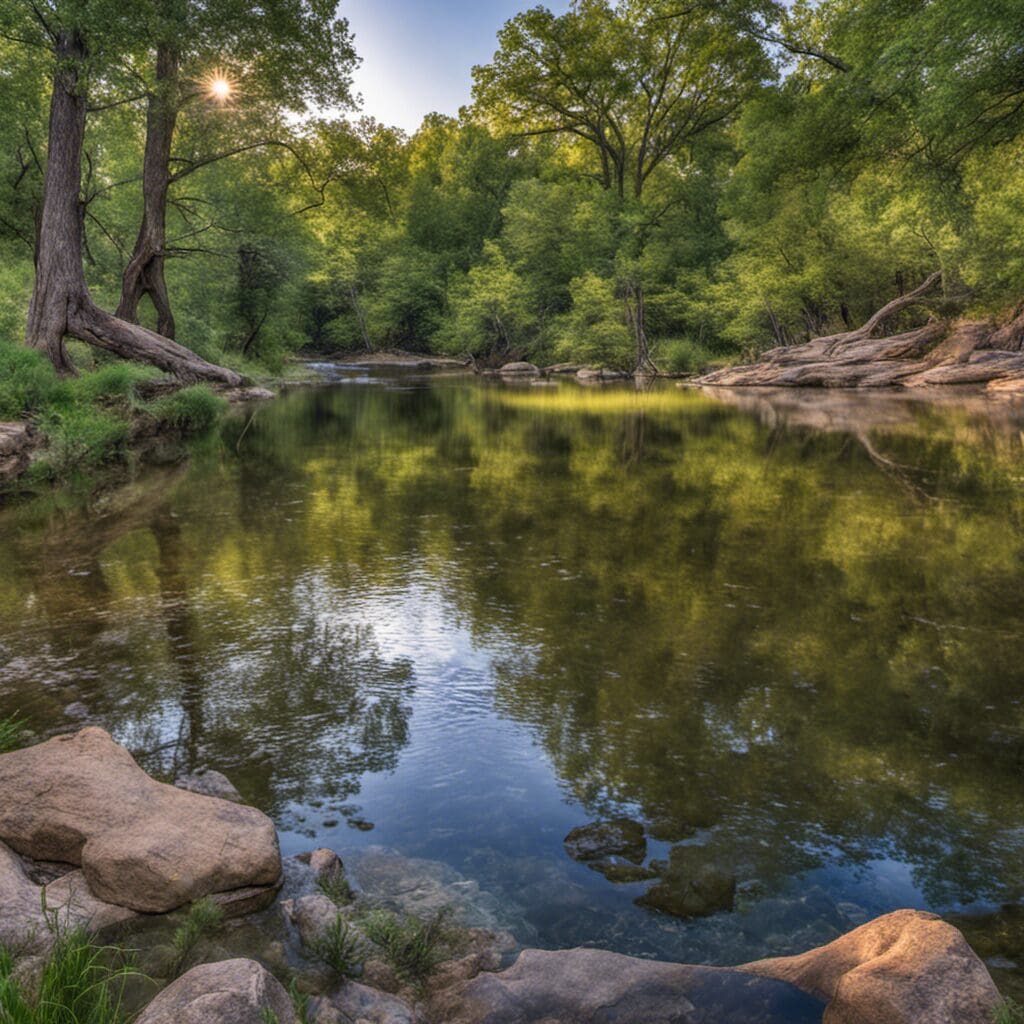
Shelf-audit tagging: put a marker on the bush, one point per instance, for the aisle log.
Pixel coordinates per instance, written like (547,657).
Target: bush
(414,948)
(340,949)
(28,383)
(80,437)
(193,409)
(682,355)
(203,917)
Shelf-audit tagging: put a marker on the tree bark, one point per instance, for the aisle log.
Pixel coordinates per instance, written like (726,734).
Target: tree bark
(144,274)
(636,317)
(61,304)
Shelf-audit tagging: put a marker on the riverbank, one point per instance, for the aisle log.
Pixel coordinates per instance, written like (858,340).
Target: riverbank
(228,931)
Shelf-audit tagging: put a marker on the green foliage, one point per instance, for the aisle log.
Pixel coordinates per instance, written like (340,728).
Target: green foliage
(682,355)
(79,436)
(412,947)
(335,886)
(1009,1012)
(594,330)
(11,730)
(27,382)
(203,917)
(193,409)
(81,983)
(340,949)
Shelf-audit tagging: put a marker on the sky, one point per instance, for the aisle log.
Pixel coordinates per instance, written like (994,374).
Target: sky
(417,56)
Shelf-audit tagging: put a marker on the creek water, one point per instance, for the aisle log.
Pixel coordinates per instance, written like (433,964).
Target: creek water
(457,618)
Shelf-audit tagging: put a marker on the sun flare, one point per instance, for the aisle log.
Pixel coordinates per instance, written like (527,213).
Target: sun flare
(219,87)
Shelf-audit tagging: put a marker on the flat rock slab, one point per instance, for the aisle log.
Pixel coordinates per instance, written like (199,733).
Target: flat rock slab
(141,844)
(229,992)
(25,930)
(591,986)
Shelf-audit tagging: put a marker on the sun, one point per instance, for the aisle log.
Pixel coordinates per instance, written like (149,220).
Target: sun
(219,87)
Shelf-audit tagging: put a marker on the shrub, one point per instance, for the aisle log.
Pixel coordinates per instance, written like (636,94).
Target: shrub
(203,917)
(80,436)
(340,949)
(335,886)
(682,355)
(193,409)
(414,948)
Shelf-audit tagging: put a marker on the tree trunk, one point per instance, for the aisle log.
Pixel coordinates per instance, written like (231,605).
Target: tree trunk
(144,274)
(636,316)
(61,304)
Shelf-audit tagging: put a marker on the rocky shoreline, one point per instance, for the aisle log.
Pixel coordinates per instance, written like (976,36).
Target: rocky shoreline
(88,840)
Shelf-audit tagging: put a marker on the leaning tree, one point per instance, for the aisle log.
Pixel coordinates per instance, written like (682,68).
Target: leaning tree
(81,41)
(232,69)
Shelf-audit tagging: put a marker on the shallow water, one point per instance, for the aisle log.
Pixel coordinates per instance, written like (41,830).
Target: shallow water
(457,619)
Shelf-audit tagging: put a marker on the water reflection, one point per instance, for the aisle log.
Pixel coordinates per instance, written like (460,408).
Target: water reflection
(785,632)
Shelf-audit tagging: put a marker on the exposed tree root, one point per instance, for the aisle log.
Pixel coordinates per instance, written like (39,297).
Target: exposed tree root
(941,352)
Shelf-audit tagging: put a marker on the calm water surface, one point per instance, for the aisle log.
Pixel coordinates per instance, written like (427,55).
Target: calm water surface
(457,619)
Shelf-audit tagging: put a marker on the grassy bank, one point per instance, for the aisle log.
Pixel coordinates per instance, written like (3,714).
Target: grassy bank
(93,419)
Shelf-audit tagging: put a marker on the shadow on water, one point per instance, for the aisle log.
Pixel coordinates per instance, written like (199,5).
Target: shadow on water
(786,635)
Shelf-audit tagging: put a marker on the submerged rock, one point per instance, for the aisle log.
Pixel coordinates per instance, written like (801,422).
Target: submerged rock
(590,986)
(355,1002)
(229,992)
(689,888)
(619,837)
(622,873)
(141,844)
(908,967)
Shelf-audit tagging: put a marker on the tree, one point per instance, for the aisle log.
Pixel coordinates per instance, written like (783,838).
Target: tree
(638,82)
(61,304)
(276,56)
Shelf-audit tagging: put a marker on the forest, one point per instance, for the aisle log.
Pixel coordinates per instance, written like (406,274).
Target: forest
(637,185)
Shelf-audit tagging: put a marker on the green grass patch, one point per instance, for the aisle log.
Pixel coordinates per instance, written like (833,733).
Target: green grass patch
(194,409)
(1009,1012)
(335,886)
(203,918)
(81,983)
(414,948)
(11,730)
(340,949)
(682,355)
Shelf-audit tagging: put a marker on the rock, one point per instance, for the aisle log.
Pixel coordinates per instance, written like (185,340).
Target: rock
(622,873)
(250,899)
(563,368)
(76,710)
(689,888)
(519,368)
(141,844)
(209,783)
(17,442)
(908,967)
(23,927)
(365,1005)
(589,374)
(229,992)
(311,915)
(591,986)
(324,862)
(620,837)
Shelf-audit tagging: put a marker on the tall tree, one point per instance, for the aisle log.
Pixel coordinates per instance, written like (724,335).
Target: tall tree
(269,58)
(61,304)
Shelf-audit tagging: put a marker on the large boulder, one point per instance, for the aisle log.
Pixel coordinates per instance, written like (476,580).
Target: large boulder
(141,844)
(523,368)
(229,992)
(23,926)
(908,967)
(592,986)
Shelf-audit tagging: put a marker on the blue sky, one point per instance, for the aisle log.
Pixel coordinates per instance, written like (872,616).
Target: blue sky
(417,56)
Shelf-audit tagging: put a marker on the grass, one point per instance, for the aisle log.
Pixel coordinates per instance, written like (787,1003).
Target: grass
(204,916)
(414,948)
(80,984)
(193,409)
(1009,1012)
(682,355)
(335,886)
(11,730)
(340,949)
(87,420)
